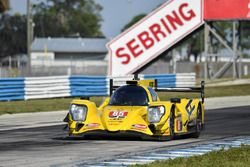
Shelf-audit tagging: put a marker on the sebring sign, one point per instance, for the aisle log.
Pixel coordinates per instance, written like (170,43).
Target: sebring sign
(153,35)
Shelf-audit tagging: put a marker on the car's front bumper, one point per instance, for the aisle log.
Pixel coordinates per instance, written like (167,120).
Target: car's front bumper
(118,135)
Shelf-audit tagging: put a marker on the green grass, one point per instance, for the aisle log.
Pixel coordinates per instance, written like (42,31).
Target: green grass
(63,103)
(39,105)
(245,77)
(34,105)
(234,157)
(232,90)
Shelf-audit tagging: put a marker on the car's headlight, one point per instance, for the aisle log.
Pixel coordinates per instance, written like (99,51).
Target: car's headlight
(155,113)
(78,112)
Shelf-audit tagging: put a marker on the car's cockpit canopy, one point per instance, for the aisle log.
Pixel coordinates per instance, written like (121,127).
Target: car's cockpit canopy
(129,95)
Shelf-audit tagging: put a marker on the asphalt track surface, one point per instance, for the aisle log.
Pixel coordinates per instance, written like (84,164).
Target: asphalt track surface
(47,146)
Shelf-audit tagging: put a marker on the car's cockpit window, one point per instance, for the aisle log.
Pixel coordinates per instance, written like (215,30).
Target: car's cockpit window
(153,94)
(129,95)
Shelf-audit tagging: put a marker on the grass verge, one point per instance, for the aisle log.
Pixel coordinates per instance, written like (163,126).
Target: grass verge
(41,105)
(63,103)
(234,157)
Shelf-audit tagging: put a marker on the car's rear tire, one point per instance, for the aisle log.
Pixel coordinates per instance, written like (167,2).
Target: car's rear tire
(198,125)
(172,123)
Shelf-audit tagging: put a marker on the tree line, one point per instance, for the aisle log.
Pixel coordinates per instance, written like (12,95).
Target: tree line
(55,18)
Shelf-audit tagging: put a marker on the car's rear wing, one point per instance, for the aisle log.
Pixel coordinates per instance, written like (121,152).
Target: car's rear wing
(154,84)
(200,89)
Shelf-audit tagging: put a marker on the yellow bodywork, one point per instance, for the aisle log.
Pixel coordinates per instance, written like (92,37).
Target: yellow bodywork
(108,118)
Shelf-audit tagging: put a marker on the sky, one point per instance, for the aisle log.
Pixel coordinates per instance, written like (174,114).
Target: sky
(116,13)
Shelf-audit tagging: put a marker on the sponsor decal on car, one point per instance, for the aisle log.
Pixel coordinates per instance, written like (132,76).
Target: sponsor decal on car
(179,123)
(190,108)
(92,125)
(139,126)
(118,114)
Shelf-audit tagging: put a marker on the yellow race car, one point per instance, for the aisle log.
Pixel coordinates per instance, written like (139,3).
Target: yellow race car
(136,109)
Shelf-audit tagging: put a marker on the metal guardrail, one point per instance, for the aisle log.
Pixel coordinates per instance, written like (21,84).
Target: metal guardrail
(78,86)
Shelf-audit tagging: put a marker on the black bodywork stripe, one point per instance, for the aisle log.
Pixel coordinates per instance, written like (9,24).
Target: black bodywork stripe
(190,108)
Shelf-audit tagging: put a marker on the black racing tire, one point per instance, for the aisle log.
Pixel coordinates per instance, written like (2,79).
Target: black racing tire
(172,123)
(198,126)
(171,129)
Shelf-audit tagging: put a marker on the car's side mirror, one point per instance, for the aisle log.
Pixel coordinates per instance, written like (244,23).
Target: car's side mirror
(175,100)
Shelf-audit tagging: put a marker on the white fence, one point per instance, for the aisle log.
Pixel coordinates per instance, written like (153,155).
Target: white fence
(77,86)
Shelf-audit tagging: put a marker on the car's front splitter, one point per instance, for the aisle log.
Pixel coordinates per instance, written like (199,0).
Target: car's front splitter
(117,135)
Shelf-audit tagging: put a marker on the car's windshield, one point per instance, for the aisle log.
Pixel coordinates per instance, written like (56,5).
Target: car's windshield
(129,95)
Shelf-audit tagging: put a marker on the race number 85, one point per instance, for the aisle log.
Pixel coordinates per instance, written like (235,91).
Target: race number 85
(118,114)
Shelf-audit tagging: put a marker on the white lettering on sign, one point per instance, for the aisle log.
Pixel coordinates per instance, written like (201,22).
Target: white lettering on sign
(153,35)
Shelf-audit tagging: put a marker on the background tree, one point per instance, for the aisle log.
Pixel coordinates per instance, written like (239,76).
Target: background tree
(245,37)
(133,21)
(55,18)
(13,35)
(4,5)
(63,18)
(12,32)
(194,45)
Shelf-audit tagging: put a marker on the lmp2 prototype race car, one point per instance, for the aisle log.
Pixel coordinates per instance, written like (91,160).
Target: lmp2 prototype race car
(136,109)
